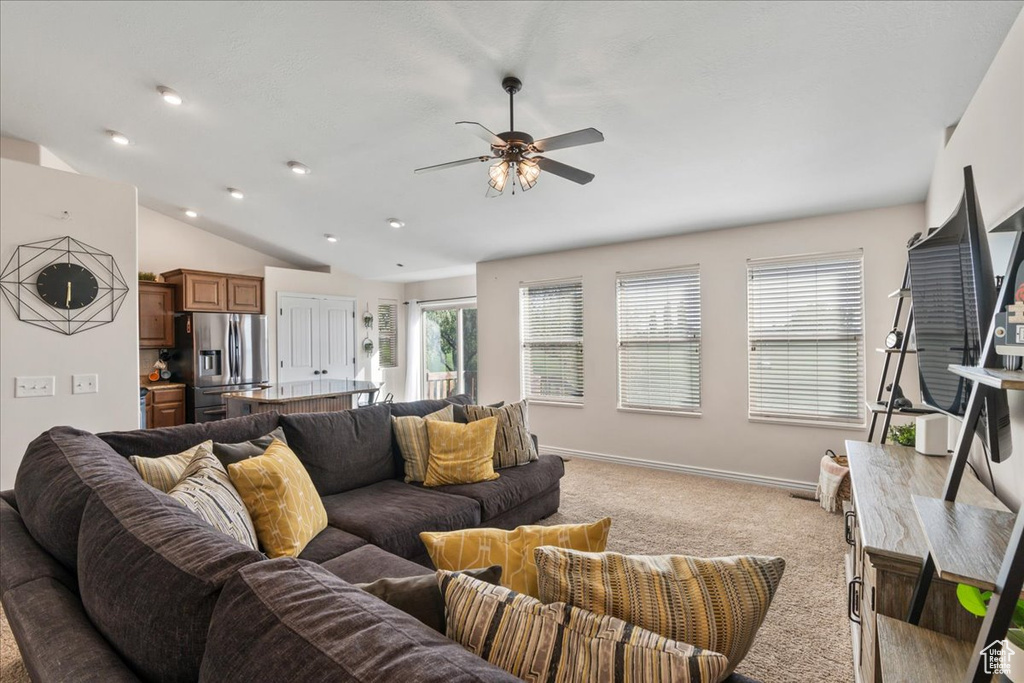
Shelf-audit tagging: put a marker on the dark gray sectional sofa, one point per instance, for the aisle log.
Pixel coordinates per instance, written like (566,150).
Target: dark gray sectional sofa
(105,578)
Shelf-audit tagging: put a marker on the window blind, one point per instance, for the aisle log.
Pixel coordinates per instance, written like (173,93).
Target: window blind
(805,326)
(551,315)
(659,340)
(387,333)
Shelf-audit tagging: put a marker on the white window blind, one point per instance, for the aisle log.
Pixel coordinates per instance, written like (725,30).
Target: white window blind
(551,315)
(805,326)
(659,340)
(387,333)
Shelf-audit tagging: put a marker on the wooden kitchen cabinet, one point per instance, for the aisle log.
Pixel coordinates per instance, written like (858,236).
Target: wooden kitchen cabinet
(198,290)
(245,294)
(156,315)
(165,407)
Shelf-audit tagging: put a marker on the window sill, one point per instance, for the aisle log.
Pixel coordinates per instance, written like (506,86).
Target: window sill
(848,426)
(670,413)
(555,404)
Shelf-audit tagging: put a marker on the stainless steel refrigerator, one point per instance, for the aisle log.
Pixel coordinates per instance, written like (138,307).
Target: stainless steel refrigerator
(217,353)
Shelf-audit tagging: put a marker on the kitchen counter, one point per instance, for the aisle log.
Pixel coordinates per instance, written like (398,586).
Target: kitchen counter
(146,383)
(316,396)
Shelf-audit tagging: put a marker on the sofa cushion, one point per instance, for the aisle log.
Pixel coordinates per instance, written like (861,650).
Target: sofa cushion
(229,453)
(205,488)
(56,476)
(329,544)
(513,444)
(426,406)
(149,574)
(516,486)
(289,620)
(163,472)
(22,559)
(56,638)
(154,442)
(414,443)
(370,563)
(460,453)
(343,450)
(391,514)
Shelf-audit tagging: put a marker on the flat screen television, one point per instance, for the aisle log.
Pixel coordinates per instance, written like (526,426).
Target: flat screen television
(954,293)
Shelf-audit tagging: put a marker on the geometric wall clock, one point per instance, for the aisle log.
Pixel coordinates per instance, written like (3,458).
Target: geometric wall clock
(63,285)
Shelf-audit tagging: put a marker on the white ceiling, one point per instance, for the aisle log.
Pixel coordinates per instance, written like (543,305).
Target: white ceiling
(714,114)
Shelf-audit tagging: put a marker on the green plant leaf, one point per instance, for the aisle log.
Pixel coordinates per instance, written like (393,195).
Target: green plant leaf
(972,599)
(1016,637)
(1018,613)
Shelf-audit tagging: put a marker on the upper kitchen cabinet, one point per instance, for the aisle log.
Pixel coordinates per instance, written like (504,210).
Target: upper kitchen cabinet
(156,315)
(198,290)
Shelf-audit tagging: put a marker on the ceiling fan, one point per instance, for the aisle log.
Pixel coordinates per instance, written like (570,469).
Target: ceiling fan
(518,154)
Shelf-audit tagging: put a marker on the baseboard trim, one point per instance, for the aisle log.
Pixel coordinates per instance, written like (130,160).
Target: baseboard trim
(776,482)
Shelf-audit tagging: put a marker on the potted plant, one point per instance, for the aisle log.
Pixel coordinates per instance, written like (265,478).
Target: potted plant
(975,601)
(904,435)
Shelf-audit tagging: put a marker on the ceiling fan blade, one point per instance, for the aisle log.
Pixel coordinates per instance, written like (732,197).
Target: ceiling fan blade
(452,164)
(564,170)
(574,139)
(481,132)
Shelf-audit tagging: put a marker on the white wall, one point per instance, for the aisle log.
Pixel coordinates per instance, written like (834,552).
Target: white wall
(445,288)
(166,244)
(990,138)
(366,293)
(722,438)
(103,214)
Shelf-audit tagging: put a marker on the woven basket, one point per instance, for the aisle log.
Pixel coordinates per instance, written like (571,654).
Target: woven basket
(844,487)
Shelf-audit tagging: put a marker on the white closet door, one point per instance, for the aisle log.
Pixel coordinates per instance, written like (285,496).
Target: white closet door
(298,339)
(337,339)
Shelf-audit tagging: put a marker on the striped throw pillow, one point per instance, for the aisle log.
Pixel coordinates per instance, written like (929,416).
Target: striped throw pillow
(513,550)
(513,444)
(717,604)
(164,472)
(285,508)
(558,643)
(460,454)
(413,442)
(205,489)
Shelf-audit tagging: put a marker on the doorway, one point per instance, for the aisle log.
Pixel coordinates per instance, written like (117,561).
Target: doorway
(450,350)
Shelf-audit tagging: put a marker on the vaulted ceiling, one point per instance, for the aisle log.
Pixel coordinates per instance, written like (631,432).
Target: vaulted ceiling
(714,114)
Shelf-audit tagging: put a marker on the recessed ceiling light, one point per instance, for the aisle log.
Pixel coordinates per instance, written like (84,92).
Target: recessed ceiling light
(330,238)
(119,138)
(236,193)
(395,223)
(300,169)
(170,97)
(191,214)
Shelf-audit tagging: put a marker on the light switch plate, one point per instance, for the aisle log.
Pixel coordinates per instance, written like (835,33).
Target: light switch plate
(29,387)
(85,384)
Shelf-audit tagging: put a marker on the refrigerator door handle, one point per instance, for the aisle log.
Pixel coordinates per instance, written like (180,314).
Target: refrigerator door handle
(236,355)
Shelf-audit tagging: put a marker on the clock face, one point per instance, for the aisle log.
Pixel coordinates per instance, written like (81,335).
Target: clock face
(67,285)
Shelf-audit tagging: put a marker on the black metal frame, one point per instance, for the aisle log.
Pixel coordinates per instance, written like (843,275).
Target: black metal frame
(900,358)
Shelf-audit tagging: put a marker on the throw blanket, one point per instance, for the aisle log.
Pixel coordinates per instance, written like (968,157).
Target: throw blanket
(831,477)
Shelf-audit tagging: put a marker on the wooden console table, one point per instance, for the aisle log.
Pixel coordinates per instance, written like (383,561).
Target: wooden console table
(887,547)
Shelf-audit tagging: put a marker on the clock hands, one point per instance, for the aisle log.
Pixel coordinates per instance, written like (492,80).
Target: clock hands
(69,295)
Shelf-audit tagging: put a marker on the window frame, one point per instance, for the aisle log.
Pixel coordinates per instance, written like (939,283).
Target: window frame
(552,400)
(393,305)
(688,411)
(860,422)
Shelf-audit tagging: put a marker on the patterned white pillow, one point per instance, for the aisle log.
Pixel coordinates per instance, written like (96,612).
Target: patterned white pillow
(205,488)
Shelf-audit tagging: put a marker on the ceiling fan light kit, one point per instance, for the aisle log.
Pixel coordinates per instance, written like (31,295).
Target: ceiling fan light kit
(518,155)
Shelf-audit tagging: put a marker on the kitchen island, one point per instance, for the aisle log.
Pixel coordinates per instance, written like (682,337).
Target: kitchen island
(316,396)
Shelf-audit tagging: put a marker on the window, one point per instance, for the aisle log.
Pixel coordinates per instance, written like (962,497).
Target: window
(387,333)
(659,340)
(551,315)
(805,327)
(449,350)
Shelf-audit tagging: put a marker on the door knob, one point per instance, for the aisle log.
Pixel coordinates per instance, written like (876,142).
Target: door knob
(316,372)
(323,372)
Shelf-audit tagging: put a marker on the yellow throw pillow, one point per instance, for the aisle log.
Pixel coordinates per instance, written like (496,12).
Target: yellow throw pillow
(716,604)
(164,472)
(557,642)
(413,443)
(281,499)
(513,550)
(460,453)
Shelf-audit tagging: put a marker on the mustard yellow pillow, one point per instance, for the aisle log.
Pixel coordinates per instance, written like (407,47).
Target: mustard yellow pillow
(413,442)
(281,499)
(460,453)
(513,550)
(164,472)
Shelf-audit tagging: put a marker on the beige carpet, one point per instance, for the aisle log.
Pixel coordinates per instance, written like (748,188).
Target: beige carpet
(806,636)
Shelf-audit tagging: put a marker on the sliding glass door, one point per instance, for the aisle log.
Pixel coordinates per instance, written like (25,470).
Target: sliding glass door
(449,350)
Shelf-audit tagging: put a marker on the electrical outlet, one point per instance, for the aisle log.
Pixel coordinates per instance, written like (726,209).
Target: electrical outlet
(85,384)
(29,387)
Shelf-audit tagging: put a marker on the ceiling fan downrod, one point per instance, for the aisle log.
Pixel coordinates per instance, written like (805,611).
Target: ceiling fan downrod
(512,85)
